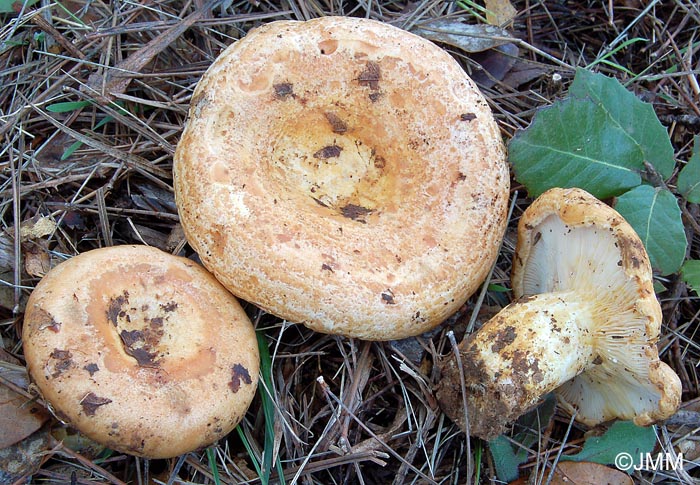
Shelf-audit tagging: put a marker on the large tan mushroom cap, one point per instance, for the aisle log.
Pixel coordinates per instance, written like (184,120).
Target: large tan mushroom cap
(344,174)
(140,350)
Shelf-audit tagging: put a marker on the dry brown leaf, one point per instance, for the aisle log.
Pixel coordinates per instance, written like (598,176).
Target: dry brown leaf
(683,423)
(18,418)
(37,228)
(37,261)
(5,356)
(23,458)
(521,73)
(586,473)
(467,37)
(7,253)
(519,481)
(175,238)
(499,12)
(7,292)
(689,448)
(76,441)
(495,64)
(242,466)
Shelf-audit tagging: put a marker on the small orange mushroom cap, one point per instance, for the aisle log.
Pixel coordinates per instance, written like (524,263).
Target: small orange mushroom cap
(140,350)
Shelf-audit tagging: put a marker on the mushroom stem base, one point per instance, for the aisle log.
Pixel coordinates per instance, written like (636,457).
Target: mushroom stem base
(529,349)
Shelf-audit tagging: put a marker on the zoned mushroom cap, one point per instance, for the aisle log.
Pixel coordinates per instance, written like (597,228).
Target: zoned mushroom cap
(344,174)
(141,350)
(570,241)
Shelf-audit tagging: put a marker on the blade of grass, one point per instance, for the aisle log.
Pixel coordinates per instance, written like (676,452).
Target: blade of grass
(211,457)
(249,449)
(268,412)
(75,145)
(67,106)
(75,18)
(71,149)
(133,161)
(478,451)
(474,9)
(604,58)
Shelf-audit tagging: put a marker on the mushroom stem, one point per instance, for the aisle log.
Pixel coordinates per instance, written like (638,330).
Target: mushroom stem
(530,348)
(589,333)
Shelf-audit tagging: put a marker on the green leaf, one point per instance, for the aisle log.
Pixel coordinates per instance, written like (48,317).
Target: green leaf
(621,437)
(690,272)
(103,121)
(498,288)
(598,138)
(574,143)
(8,6)
(67,106)
(506,457)
(655,215)
(71,149)
(689,177)
(12,43)
(635,117)
(75,145)
(659,287)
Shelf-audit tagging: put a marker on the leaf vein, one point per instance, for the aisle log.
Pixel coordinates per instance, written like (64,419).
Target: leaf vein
(581,157)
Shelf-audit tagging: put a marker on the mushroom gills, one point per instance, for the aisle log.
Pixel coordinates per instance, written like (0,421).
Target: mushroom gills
(620,385)
(564,257)
(585,326)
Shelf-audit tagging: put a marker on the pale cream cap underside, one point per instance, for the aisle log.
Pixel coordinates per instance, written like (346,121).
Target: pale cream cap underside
(569,240)
(140,350)
(344,174)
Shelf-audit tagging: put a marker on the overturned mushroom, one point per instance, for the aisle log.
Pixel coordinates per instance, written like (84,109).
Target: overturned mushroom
(585,325)
(344,174)
(140,350)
